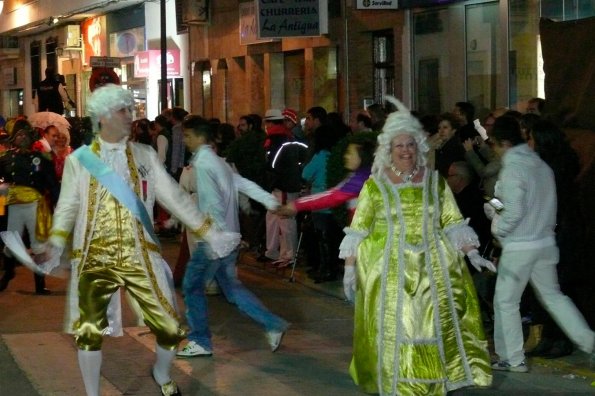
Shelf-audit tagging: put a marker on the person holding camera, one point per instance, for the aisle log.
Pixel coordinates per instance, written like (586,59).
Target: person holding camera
(51,93)
(525,227)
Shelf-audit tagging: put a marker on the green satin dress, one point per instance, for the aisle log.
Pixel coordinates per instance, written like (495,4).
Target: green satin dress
(417,321)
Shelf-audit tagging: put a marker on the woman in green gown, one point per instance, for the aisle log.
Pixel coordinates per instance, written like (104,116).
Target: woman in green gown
(417,321)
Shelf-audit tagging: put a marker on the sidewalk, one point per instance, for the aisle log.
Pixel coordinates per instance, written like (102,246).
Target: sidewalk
(577,365)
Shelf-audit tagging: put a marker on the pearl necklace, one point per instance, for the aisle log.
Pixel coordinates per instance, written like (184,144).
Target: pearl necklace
(406,178)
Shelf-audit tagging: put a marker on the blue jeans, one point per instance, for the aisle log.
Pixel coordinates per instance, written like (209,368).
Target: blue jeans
(200,268)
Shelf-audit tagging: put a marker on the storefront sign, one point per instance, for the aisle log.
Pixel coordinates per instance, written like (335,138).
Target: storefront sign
(148,63)
(377,4)
(292,18)
(105,61)
(249,25)
(127,43)
(94,37)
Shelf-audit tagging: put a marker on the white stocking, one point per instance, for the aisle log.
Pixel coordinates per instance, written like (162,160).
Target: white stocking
(162,366)
(90,365)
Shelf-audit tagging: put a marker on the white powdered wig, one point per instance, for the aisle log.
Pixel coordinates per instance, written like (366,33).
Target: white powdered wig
(400,122)
(107,99)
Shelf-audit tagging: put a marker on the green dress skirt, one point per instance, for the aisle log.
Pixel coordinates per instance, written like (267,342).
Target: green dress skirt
(417,321)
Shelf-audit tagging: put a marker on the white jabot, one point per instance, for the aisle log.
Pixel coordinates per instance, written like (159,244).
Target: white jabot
(114,155)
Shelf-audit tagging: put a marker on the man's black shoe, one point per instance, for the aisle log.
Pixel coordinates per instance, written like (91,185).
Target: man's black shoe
(560,349)
(5,279)
(43,292)
(542,348)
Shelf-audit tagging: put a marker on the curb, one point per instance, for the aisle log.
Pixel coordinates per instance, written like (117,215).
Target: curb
(332,289)
(573,364)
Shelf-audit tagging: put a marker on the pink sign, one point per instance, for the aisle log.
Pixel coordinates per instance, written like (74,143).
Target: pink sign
(149,63)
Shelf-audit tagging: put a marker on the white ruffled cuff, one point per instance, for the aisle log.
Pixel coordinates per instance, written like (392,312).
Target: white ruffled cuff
(350,242)
(461,235)
(221,243)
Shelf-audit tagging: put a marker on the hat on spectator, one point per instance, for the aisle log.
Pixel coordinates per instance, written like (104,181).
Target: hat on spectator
(291,115)
(273,115)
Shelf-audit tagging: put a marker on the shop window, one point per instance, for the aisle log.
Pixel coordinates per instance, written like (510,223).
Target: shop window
(482,44)
(294,69)
(384,66)
(35,60)
(565,10)
(51,57)
(525,73)
(526,63)
(325,78)
(432,89)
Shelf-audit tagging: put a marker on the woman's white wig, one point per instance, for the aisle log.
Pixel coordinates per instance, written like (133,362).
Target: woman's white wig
(106,100)
(399,122)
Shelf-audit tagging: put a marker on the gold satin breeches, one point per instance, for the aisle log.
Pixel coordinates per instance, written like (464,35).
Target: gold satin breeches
(95,290)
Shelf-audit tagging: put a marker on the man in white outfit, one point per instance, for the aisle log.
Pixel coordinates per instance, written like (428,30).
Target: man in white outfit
(217,189)
(525,228)
(105,206)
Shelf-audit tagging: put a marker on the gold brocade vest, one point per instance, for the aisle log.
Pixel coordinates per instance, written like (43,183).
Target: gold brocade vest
(112,243)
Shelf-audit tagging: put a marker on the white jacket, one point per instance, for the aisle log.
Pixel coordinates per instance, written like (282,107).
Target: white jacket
(527,188)
(75,216)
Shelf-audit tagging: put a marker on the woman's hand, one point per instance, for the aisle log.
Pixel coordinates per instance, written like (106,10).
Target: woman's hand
(468,144)
(478,262)
(287,210)
(349,282)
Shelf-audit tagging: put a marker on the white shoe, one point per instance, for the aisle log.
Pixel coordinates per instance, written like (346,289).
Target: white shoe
(274,338)
(192,349)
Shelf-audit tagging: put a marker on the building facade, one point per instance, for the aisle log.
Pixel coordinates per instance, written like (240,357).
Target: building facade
(430,54)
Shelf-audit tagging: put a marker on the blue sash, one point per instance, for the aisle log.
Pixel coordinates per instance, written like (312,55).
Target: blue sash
(116,185)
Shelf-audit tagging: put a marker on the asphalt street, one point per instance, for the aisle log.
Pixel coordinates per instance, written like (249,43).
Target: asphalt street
(38,358)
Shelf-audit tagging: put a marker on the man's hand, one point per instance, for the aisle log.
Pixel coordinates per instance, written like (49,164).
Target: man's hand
(489,211)
(221,243)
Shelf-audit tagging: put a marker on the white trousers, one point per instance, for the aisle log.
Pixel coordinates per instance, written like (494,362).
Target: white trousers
(24,216)
(537,266)
(281,231)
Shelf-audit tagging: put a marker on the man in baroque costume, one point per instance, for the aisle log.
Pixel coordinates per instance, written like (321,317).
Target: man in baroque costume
(32,191)
(418,328)
(105,206)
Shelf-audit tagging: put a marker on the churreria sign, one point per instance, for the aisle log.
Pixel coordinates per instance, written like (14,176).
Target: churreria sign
(291,18)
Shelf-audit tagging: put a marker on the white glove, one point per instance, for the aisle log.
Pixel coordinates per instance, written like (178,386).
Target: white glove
(489,211)
(49,260)
(349,283)
(221,243)
(477,261)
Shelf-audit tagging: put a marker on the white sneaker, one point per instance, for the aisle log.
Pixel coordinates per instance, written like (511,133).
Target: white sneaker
(505,366)
(192,349)
(274,338)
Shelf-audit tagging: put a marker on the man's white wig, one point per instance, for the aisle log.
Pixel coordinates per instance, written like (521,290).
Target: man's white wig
(399,122)
(107,99)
